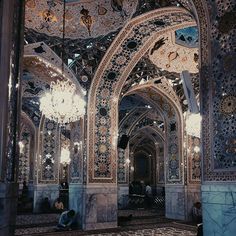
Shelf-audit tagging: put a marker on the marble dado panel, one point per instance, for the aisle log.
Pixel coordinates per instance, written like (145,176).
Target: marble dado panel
(8,206)
(175,202)
(76,201)
(193,194)
(123,196)
(219,209)
(100,207)
(42,191)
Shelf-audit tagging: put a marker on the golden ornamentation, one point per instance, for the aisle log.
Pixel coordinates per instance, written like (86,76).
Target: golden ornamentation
(228,105)
(30,4)
(86,19)
(48,16)
(102,148)
(101,10)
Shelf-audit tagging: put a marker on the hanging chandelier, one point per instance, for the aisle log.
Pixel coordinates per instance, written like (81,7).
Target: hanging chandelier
(61,103)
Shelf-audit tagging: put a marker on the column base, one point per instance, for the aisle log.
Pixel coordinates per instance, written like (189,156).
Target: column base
(8,208)
(76,201)
(193,196)
(123,196)
(219,209)
(175,202)
(100,207)
(51,191)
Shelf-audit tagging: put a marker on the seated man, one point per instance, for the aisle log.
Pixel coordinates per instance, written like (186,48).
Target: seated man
(66,220)
(58,205)
(148,195)
(197,212)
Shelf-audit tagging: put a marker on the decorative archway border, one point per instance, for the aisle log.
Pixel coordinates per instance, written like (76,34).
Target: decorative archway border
(111,75)
(26,122)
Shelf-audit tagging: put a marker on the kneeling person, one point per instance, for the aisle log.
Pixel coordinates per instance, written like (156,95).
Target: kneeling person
(66,220)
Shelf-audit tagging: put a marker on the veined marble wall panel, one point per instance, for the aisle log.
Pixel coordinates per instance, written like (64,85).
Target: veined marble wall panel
(76,201)
(175,202)
(193,196)
(100,207)
(123,196)
(41,191)
(219,209)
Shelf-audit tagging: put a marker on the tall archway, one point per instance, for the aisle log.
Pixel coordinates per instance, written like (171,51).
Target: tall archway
(217,76)
(132,42)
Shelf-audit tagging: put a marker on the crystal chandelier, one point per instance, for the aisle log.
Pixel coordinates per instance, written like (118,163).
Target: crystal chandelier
(61,104)
(65,156)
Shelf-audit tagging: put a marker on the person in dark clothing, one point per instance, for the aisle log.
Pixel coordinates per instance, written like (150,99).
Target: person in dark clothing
(45,205)
(199,230)
(25,190)
(197,212)
(148,195)
(66,220)
(122,220)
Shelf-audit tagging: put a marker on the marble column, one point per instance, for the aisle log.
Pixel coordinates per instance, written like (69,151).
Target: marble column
(11,31)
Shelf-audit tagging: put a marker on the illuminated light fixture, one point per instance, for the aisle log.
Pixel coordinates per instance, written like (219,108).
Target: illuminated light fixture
(196,149)
(193,124)
(61,104)
(21,147)
(65,156)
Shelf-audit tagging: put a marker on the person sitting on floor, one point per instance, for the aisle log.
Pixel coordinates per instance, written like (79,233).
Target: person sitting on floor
(45,205)
(148,195)
(197,212)
(58,205)
(66,220)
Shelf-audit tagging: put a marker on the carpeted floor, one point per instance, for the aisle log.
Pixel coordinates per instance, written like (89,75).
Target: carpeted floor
(143,223)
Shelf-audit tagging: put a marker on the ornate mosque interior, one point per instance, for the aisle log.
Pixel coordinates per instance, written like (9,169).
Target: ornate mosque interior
(101,99)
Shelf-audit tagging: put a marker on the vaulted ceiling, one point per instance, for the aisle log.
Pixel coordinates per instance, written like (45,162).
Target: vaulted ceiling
(91,27)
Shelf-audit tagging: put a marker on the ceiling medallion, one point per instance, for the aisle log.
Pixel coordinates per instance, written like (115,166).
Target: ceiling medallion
(228,104)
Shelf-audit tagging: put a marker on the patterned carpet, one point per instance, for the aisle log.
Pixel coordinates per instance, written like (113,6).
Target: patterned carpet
(143,223)
(171,230)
